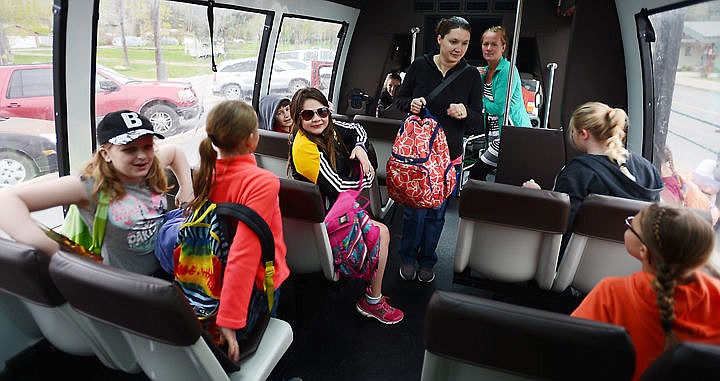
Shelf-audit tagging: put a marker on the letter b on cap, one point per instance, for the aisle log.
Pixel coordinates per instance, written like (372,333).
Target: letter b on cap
(131,119)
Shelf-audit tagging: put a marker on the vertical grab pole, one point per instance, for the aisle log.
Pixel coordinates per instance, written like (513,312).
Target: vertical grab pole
(513,58)
(414,30)
(551,66)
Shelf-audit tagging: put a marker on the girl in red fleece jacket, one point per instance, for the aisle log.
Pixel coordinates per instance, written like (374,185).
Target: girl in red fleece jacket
(231,174)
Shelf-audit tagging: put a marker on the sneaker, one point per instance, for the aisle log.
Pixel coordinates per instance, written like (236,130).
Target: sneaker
(407,271)
(426,275)
(381,311)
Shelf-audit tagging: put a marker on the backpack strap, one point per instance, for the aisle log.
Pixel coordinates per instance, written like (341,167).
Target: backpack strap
(445,82)
(257,224)
(100,221)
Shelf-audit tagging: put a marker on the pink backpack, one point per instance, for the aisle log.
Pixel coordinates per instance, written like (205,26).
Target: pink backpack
(420,173)
(353,238)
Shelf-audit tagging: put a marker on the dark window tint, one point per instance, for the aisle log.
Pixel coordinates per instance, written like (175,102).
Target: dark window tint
(27,83)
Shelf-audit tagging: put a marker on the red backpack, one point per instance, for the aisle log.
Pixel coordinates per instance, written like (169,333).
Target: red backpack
(420,173)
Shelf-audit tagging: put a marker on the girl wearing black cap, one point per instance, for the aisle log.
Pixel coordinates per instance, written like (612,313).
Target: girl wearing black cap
(127,169)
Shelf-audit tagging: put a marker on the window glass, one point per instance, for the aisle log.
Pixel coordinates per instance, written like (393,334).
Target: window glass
(303,48)
(27,127)
(157,55)
(687,87)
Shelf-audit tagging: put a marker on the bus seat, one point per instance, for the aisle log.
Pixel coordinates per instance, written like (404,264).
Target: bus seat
(597,248)
(530,153)
(158,323)
(381,132)
(471,338)
(510,234)
(17,328)
(342,117)
(303,215)
(24,276)
(273,151)
(685,361)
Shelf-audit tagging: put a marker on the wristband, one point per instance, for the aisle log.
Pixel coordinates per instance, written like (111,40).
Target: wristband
(361,145)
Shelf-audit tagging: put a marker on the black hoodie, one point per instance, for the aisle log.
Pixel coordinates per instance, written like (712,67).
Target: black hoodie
(597,174)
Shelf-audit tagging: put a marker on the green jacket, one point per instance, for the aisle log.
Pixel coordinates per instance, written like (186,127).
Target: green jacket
(518,114)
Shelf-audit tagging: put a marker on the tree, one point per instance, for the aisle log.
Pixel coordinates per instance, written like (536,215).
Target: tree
(121,14)
(161,69)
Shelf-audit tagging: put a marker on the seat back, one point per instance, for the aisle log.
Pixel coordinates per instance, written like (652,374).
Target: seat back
(472,338)
(24,279)
(303,215)
(155,319)
(381,132)
(686,361)
(596,248)
(273,151)
(510,234)
(530,153)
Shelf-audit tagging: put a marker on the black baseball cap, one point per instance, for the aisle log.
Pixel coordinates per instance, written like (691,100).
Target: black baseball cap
(122,127)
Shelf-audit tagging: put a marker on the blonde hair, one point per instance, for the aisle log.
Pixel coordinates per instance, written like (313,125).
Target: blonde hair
(679,241)
(228,124)
(107,179)
(496,29)
(608,126)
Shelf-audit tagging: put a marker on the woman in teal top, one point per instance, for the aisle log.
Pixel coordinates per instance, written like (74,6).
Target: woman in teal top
(495,81)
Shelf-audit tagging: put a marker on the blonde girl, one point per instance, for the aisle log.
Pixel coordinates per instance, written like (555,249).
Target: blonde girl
(129,168)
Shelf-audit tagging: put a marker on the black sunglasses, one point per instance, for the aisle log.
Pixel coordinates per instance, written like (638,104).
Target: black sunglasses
(628,223)
(307,115)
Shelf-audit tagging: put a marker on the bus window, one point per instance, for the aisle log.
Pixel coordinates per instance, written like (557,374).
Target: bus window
(153,57)
(27,127)
(686,49)
(304,55)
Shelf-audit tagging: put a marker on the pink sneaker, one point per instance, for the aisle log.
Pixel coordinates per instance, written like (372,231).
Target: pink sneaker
(381,311)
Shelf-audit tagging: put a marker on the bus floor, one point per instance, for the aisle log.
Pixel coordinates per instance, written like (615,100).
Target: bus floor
(331,340)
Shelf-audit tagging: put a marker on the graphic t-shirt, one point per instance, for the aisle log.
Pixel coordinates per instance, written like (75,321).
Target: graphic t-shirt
(132,226)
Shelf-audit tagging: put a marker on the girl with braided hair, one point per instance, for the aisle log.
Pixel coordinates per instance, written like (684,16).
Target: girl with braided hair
(671,299)
(606,168)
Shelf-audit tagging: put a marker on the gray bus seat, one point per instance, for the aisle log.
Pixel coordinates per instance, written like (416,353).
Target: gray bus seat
(596,248)
(382,133)
(24,276)
(510,234)
(303,215)
(685,361)
(157,322)
(530,153)
(17,328)
(273,151)
(471,338)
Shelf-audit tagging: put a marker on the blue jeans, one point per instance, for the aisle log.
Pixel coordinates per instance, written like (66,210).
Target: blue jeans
(421,234)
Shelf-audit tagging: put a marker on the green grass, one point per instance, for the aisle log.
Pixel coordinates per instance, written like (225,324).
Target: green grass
(142,59)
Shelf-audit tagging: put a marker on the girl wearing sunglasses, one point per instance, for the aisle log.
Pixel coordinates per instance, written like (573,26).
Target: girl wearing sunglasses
(325,152)
(671,299)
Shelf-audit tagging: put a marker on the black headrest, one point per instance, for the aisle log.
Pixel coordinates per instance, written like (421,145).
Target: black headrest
(526,341)
(686,361)
(511,205)
(144,305)
(379,128)
(274,144)
(24,273)
(530,153)
(301,200)
(603,216)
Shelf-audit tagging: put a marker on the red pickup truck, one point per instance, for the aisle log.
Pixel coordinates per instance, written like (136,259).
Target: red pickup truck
(27,91)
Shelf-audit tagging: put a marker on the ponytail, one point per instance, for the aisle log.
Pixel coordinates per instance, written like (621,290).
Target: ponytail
(205,175)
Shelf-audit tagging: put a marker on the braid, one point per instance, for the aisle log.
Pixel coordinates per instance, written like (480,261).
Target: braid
(664,285)
(616,121)
(657,223)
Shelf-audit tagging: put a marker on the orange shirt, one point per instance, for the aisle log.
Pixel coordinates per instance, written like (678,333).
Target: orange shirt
(630,302)
(239,179)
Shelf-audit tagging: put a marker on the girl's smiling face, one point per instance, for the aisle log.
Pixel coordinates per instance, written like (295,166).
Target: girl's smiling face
(317,124)
(131,161)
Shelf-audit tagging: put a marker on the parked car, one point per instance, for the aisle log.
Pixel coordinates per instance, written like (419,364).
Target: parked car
(235,79)
(307,55)
(27,150)
(26,91)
